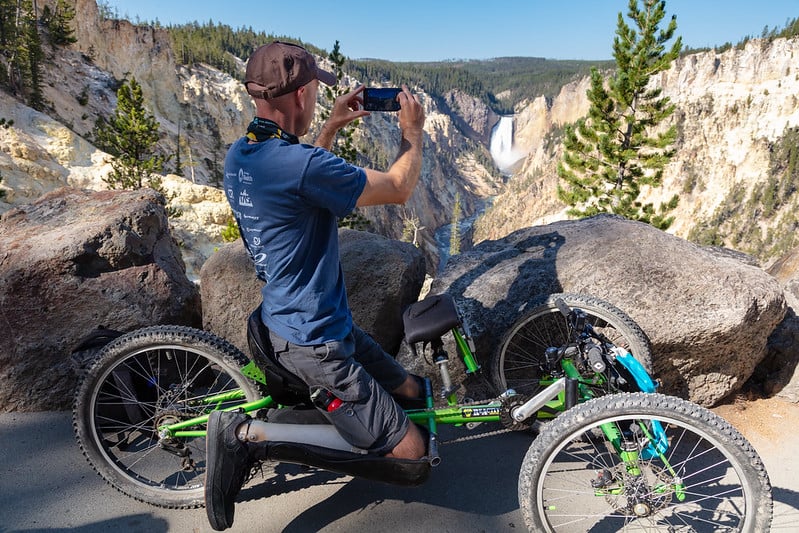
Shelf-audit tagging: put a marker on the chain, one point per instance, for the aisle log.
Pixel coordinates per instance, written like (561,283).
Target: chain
(484,434)
(477,436)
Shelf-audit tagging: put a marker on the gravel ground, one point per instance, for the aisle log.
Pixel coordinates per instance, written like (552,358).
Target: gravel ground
(770,425)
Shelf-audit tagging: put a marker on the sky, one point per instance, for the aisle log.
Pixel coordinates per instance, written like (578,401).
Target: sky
(436,30)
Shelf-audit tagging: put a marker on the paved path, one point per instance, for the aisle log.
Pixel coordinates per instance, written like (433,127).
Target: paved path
(46,485)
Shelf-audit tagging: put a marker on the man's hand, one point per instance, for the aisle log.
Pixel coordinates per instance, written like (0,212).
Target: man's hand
(411,113)
(347,108)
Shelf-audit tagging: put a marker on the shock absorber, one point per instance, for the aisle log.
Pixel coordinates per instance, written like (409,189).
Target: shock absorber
(441,359)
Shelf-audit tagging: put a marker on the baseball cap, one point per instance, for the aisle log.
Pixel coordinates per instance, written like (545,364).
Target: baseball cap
(279,68)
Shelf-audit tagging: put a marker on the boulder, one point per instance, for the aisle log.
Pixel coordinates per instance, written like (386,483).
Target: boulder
(708,314)
(382,276)
(779,372)
(70,262)
(230,291)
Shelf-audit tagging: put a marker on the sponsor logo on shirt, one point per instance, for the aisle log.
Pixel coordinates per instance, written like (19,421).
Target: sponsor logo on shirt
(244,199)
(259,259)
(244,176)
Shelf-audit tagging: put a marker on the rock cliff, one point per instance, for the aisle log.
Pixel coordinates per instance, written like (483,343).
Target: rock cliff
(207,110)
(731,109)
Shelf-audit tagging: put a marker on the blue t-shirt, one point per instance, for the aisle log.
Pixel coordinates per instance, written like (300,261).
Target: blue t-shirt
(287,199)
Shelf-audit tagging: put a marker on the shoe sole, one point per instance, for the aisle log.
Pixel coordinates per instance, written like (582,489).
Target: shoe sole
(218,515)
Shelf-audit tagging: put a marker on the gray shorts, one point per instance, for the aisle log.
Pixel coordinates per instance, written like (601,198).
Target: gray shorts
(357,371)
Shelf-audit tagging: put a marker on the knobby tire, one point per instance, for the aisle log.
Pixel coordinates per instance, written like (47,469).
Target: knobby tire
(572,480)
(140,381)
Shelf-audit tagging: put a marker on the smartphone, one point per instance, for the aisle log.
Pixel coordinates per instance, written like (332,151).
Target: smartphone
(381,99)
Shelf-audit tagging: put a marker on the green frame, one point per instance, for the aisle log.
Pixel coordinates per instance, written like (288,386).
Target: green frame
(453,413)
(547,404)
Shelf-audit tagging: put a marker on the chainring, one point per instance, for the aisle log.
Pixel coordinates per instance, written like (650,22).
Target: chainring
(506,415)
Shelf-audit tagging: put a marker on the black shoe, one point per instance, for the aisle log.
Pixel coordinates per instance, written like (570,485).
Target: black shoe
(227,465)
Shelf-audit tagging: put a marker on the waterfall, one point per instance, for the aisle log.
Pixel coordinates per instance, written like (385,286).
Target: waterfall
(501,145)
(501,148)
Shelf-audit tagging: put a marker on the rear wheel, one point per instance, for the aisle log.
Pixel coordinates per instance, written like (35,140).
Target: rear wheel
(520,362)
(143,380)
(595,468)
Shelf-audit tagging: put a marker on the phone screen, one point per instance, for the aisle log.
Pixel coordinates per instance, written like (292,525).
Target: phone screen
(381,99)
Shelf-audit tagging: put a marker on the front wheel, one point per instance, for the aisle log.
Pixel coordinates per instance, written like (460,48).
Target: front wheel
(643,462)
(520,362)
(150,378)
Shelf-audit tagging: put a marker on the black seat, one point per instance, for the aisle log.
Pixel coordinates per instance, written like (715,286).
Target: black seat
(283,386)
(429,319)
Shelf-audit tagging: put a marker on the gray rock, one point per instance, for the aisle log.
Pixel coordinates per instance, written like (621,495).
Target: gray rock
(230,292)
(70,262)
(707,314)
(382,276)
(779,372)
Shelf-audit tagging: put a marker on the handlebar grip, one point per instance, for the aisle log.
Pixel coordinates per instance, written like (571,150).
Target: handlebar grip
(562,307)
(594,356)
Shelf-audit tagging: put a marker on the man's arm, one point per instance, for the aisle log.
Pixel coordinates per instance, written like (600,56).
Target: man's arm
(396,185)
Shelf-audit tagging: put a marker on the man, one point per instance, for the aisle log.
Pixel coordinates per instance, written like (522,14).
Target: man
(287,198)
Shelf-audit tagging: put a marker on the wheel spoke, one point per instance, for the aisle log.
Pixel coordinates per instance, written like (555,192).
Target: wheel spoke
(521,360)
(147,380)
(588,472)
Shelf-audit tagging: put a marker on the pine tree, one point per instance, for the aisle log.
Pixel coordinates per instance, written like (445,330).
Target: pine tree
(130,135)
(21,53)
(58,23)
(34,55)
(178,164)
(217,172)
(8,40)
(343,144)
(610,154)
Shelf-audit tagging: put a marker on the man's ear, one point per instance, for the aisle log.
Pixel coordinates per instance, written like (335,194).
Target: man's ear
(299,97)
